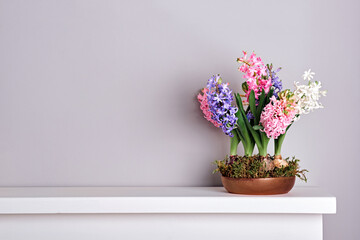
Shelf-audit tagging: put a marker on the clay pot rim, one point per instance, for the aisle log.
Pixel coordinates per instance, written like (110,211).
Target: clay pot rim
(257,178)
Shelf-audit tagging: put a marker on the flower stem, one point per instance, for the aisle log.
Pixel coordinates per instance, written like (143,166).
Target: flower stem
(264,144)
(278,144)
(279,141)
(249,148)
(234,142)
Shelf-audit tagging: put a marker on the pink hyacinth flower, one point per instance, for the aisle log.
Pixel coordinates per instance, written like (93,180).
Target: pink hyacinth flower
(255,74)
(276,117)
(204,106)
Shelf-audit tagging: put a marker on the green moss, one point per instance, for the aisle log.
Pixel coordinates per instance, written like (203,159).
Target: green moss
(253,167)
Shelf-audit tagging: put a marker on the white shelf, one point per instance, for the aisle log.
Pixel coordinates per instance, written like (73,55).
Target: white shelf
(74,200)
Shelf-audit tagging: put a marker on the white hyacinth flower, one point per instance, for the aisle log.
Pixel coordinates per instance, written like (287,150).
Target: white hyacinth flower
(308,96)
(308,75)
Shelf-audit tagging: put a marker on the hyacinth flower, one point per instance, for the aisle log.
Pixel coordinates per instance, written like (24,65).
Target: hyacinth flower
(204,106)
(249,116)
(303,100)
(261,84)
(216,104)
(269,113)
(278,114)
(256,75)
(308,96)
(276,117)
(275,80)
(220,100)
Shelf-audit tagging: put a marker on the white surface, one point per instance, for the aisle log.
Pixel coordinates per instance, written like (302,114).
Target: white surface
(49,200)
(161,227)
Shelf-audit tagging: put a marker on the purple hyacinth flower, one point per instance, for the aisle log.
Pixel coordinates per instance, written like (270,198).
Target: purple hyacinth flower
(219,98)
(250,116)
(275,81)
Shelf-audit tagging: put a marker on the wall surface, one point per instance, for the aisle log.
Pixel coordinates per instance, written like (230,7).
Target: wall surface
(103,93)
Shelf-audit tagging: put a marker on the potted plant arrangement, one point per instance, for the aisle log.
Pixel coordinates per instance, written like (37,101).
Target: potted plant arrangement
(265,111)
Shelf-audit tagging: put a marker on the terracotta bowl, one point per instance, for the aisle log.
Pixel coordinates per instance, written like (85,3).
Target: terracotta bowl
(258,186)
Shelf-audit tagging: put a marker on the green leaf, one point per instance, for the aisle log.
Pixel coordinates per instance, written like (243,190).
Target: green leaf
(238,131)
(258,127)
(253,132)
(252,103)
(279,141)
(268,96)
(239,101)
(245,87)
(242,128)
(260,107)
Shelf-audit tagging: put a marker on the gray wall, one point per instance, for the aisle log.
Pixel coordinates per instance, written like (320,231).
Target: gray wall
(100,93)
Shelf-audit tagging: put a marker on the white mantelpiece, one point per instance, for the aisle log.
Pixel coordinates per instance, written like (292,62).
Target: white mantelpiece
(160,213)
